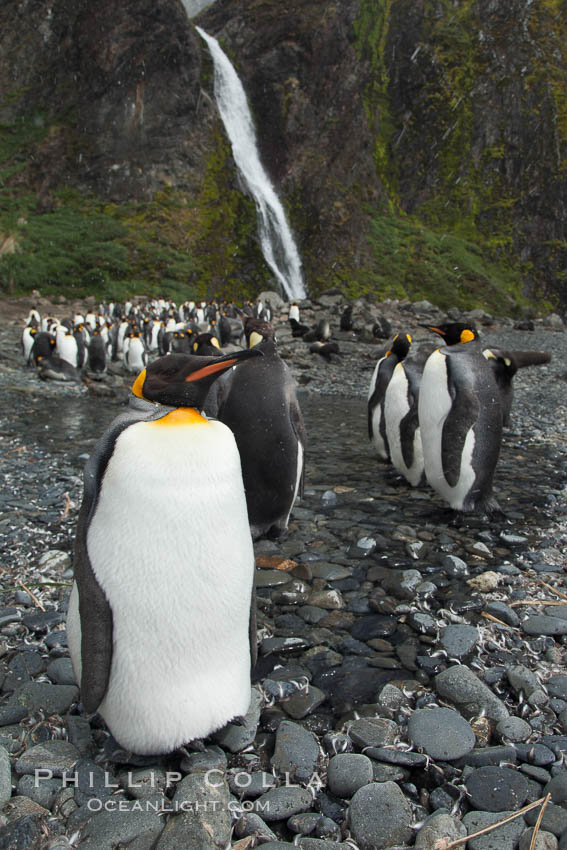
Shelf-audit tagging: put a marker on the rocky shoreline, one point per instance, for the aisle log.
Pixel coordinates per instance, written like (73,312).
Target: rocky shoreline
(411,685)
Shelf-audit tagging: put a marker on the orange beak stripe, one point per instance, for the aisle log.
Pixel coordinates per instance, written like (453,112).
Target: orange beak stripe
(138,384)
(209,370)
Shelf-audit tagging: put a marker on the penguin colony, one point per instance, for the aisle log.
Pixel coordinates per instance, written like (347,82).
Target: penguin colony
(436,413)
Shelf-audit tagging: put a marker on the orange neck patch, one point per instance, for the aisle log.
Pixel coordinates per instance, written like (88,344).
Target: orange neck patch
(182,416)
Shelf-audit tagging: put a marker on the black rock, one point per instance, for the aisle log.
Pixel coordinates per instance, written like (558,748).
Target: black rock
(496,789)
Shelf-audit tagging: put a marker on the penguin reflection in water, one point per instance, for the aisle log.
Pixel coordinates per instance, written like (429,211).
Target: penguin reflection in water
(161,623)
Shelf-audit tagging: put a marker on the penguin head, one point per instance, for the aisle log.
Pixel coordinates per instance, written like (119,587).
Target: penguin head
(455,333)
(400,345)
(257,331)
(183,380)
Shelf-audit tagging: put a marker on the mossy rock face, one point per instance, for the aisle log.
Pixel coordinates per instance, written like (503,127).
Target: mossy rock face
(419,149)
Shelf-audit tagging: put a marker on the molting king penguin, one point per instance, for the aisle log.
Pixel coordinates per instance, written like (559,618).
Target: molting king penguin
(161,624)
(258,402)
(504,365)
(460,417)
(378,385)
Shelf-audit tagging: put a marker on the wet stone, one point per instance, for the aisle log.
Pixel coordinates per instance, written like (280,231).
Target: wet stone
(424,624)
(496,789)
(523,679)
(12,714)
(107,830)
(372,732)
(346,686)
(554,819)
(379,816)
(79,733)
(503,612)
(441,733)
(539,624)
(271,578)
(276,645)
(56,756)
(296,752)
(5,777)
(557,787)
(41,621)
(504,837)
(311,614)
(347,772)
(206,822)
(329,600)
(557,686)
(397,757)
(252,824)
(544,841)
(250,785)
(454,566)
(458,641)
(460,686)
(537,754)
(40,791)
(439,826)
(281,803)
(303,702)
(20,835)
(52,699)
(513,729)
(60,671)
(373,626)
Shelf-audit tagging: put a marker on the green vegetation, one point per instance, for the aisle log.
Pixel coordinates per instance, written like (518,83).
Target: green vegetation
(420,263)
(173,245)
(462,241)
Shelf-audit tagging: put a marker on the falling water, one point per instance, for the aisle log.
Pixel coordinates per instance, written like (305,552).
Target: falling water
(276,239)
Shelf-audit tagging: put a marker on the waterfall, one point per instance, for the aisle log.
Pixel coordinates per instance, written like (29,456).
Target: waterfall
(276,239)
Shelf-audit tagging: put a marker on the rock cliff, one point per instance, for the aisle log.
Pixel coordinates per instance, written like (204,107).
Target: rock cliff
(418,147)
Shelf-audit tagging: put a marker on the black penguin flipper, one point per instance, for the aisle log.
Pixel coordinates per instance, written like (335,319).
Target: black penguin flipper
(94,609)
(253,628)
(462,416)
(408,426)
(96,623)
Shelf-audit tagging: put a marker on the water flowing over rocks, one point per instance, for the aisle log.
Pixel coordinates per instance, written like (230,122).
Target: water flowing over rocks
(394,703)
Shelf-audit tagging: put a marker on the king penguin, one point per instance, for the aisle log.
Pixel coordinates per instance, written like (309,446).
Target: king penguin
(161,625)
(401,420)
(259,404)
(504,365)
(460,418)
(376,394)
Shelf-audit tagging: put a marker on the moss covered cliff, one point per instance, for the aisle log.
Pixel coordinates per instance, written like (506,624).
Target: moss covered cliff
(418,147)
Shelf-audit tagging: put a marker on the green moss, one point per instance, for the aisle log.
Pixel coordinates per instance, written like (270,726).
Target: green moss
(173,245)
(371,32)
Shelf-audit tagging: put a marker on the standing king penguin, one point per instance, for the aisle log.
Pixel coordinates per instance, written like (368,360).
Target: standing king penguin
(161,624)
(403,434)
(460,418)
(258,402)
(381,377)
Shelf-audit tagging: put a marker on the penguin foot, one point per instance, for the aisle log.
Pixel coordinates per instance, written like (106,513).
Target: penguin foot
(238,721)
(197,745)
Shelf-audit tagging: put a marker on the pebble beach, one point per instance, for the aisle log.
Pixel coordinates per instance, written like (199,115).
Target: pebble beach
(411,688)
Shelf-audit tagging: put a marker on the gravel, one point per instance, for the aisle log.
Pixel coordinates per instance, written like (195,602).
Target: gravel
(412,660)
